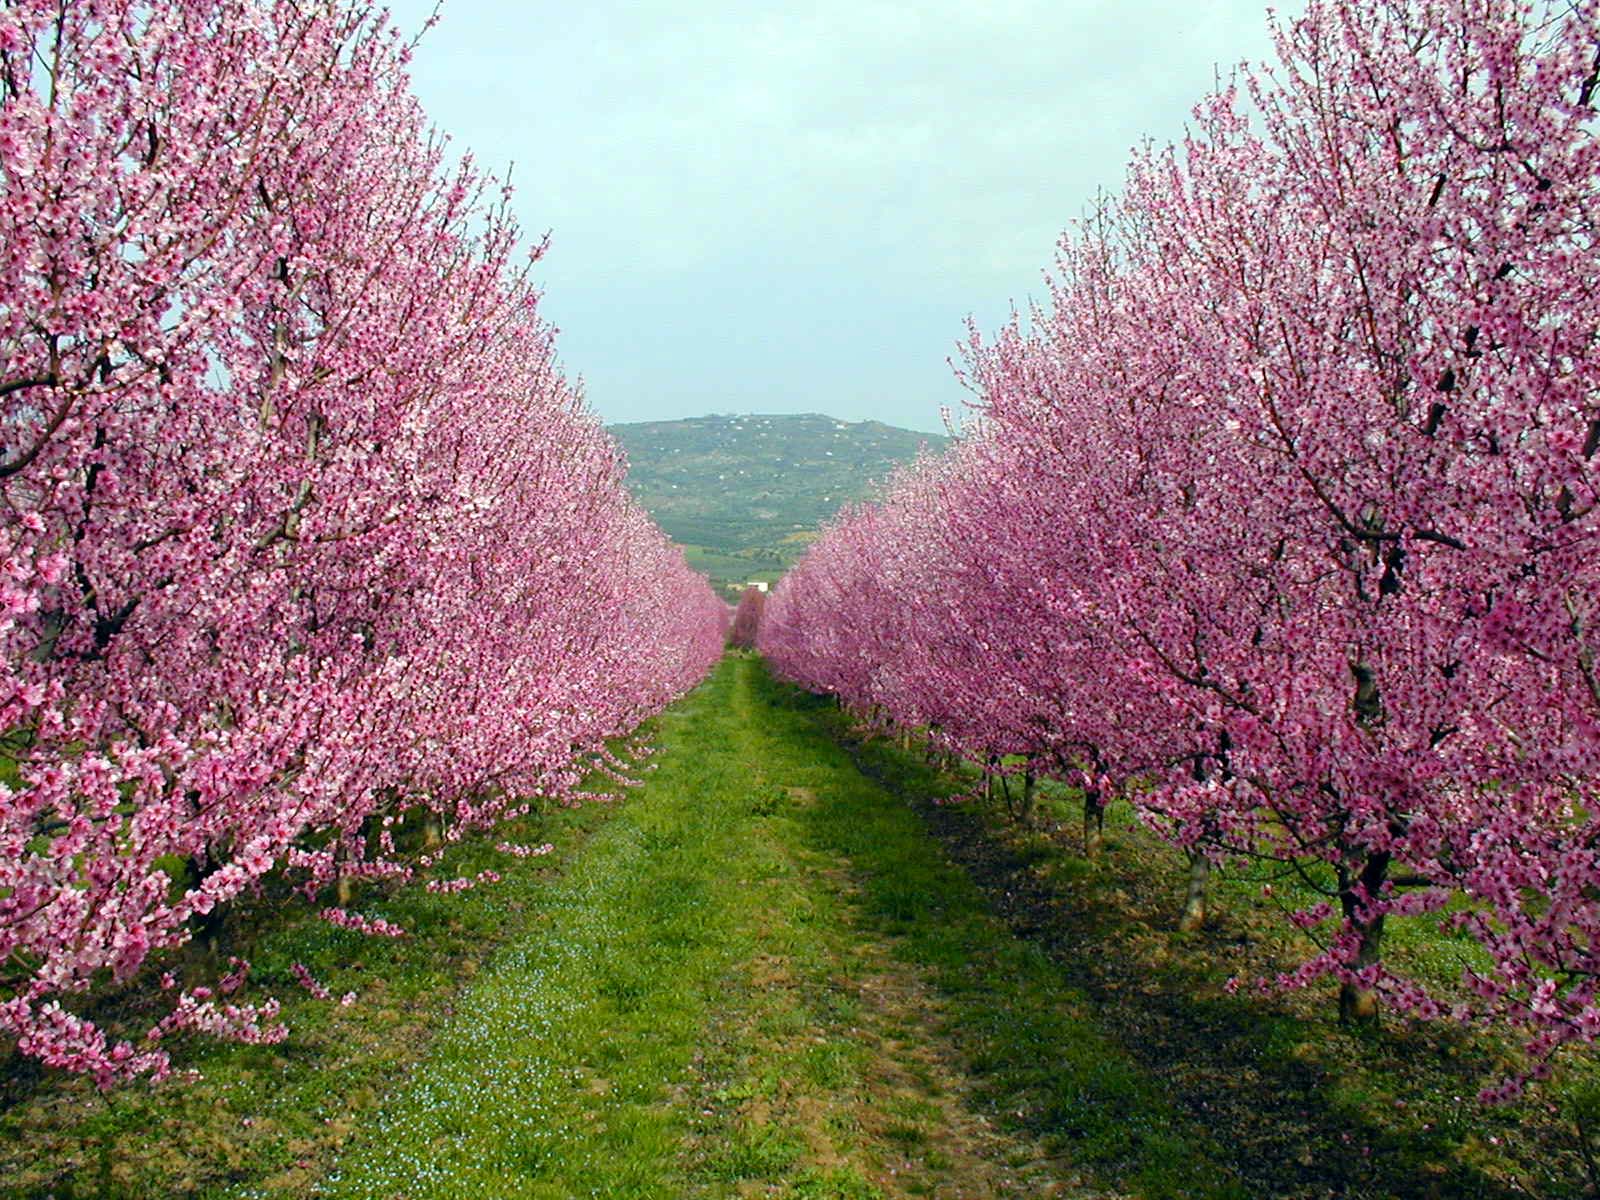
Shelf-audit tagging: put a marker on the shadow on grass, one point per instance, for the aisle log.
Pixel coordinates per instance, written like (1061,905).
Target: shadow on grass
(1106,1034)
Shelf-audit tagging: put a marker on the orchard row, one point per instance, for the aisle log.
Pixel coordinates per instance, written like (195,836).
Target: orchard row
(305,542)
(1279,517)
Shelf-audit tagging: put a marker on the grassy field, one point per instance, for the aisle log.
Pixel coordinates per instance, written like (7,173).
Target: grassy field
(779,969)
(1304,1106)
(731,572)
(763,978)
(275,1116)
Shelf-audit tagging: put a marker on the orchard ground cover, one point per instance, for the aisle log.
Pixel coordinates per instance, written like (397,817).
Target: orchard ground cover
(780,968)
(758,976)
(271,1115)
(741,991)
(1305,1105)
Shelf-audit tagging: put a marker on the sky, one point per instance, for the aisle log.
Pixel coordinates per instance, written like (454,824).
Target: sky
(796,207)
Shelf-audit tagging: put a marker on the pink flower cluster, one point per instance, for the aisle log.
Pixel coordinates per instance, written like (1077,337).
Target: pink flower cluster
(518,850)
(1284,508)
(302,528)
(461,883)
(376,926)
(307,980)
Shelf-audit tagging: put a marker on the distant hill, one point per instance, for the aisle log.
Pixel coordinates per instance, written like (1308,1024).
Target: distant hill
(746,494)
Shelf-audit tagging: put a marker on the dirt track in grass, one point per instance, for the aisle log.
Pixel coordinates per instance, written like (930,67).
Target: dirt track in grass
(714,1008)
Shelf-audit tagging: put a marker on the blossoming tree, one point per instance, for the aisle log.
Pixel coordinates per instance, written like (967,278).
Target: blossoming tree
(302,528)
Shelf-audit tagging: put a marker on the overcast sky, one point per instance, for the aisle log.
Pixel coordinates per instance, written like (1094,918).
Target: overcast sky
(794,207)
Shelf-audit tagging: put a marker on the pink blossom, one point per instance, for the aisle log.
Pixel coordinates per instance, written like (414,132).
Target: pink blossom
(304,528)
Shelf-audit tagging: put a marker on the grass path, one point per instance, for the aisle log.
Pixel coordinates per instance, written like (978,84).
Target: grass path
(762,978)
(776,969)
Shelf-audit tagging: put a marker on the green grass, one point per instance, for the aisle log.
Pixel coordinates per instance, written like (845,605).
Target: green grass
(688,1020)
(1311,1106)
(732,571)
(274,1115)
(1022,1027)
(762,973)
(557,1075)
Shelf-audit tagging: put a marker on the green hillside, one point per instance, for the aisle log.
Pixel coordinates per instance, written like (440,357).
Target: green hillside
(746,494)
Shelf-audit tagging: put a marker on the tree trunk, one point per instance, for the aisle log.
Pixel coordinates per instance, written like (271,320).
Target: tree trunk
(208,933)
(1194,904)
(1359,1004)
(1025,812)
(1094,822)
(432,831)
(345,890)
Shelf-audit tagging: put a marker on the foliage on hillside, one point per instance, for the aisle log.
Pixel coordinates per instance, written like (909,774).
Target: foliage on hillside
(746,494)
